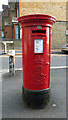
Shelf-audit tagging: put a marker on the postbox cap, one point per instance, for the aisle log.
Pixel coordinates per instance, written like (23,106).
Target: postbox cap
(37,18)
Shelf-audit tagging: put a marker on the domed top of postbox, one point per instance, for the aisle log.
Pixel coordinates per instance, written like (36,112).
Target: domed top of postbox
(36,19)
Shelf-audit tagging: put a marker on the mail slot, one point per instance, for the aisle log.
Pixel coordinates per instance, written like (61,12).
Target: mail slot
(36,40)
(38,31)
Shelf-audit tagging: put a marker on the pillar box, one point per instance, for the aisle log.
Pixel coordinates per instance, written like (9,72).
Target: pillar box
(36,40)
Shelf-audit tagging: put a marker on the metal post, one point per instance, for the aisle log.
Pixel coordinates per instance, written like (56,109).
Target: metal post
(12,62)
(5,48)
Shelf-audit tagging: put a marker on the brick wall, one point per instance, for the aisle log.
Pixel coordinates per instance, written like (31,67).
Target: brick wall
(58,35)
(57,9)
(15,45)
(0,24)
(8,31)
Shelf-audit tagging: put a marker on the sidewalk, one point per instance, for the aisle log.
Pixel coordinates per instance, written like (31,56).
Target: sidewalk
(13,107)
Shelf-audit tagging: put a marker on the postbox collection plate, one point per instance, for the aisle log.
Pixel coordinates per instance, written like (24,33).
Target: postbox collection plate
(38,45)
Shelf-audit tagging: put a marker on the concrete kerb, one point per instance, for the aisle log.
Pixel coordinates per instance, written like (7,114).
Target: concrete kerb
(19,52)
(16,54)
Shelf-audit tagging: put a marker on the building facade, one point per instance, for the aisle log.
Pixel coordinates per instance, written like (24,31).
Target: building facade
(10,27)
(0,24)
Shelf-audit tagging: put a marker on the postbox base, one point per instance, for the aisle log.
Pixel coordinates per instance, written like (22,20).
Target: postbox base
(35,99)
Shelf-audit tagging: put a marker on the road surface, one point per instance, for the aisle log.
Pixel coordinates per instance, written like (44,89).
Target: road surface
(56,60)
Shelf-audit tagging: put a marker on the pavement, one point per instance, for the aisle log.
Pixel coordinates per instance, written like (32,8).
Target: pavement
(14,107)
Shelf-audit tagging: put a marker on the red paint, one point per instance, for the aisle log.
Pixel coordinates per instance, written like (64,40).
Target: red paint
(67,45)
(36,66)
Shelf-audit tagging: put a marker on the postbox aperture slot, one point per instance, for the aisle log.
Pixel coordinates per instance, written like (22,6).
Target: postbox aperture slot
(38,45)
(38,31)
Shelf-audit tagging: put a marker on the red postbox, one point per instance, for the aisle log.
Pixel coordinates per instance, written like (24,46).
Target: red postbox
(36,40)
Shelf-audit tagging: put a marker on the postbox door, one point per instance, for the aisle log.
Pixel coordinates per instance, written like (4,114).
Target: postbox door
(41,63)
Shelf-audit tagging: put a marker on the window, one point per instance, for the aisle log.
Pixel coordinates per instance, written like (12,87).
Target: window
(67,32)
(16,32)
(20,33)
(2,34)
